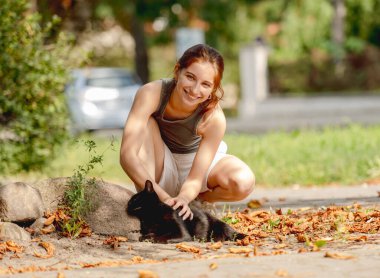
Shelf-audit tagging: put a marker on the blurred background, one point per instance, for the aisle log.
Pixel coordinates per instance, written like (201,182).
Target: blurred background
(284,59)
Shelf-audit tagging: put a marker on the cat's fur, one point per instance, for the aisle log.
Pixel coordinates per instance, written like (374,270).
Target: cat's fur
(160,223)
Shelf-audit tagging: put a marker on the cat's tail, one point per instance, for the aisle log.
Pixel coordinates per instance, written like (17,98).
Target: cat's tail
(236,236)
(232,234)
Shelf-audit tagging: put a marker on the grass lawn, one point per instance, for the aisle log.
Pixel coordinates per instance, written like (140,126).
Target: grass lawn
(346,156)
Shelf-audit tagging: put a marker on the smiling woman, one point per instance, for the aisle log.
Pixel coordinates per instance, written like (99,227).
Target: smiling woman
(173,136)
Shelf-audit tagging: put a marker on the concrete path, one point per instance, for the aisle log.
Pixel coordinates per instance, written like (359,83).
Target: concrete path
(296,196)
(288,113)
(364,261)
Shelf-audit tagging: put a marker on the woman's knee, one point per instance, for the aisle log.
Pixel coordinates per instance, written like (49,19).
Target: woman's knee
(241,183)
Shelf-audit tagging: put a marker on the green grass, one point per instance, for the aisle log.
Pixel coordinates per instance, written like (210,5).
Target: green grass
(333,155)
(346,156)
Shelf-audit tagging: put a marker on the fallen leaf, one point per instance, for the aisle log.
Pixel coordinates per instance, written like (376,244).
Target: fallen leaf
(358,238)
(280,246)
(282,273)
(147,274)
(302,250)
(113,241)
(215,246)
(48,230)
(239,250)
(13,247)
(50,220)
(60,275)
(213,266)
(15,256)
(49,247)
(188,248)
(339,256)
(253,204)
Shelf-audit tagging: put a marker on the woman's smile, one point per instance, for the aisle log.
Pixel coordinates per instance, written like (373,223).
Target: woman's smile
(195,83)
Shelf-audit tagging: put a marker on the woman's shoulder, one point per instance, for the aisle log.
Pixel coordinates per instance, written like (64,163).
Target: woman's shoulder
(212,118)
(151,87)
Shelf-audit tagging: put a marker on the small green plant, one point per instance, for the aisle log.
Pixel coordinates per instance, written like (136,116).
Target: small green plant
(79,186)
(230,220)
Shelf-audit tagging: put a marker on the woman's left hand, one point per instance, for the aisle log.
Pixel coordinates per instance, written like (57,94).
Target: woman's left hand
(178,202)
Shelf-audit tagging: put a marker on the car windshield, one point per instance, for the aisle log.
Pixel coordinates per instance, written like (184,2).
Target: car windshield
(111,82)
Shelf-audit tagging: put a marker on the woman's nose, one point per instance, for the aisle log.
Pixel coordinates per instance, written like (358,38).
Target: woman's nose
(196,87)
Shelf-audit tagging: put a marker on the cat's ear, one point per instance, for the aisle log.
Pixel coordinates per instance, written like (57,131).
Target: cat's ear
(149,186)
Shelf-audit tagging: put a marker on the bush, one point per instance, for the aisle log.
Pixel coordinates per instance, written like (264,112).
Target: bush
(33,116)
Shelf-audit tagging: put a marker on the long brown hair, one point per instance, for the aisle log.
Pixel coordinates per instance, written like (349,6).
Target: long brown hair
(204,53)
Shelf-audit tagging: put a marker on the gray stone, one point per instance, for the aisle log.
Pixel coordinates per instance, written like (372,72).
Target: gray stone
(52,191)
(108,211)
(20,202)
(10,231)
(108,216)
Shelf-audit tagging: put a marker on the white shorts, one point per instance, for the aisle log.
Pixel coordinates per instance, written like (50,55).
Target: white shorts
(177,167)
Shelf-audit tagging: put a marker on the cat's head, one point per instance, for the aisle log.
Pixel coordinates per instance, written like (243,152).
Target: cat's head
(143,201)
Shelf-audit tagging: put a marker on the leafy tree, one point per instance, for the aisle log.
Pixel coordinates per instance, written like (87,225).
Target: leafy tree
(32,76)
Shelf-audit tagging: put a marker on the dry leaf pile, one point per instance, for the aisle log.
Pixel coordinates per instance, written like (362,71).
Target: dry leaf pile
(62,220)
(314,227)
(268,233)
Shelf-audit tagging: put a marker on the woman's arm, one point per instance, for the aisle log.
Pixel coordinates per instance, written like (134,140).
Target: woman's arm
(212,129)
(145,103)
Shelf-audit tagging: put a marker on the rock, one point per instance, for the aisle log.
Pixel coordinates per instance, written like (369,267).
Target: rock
(52,191)
(108,213)
(38,225)
(20,202)
(10,231)
(109,216)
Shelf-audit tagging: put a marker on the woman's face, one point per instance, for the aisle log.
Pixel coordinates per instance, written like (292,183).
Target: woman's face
(195,83)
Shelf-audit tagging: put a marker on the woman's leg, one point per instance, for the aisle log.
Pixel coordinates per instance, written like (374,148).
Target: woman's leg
(152,150)
(229,180)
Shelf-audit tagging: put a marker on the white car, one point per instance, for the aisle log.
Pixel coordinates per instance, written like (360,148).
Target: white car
(100,98)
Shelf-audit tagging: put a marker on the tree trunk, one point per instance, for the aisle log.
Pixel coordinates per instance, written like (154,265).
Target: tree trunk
(141,52)
(337,34)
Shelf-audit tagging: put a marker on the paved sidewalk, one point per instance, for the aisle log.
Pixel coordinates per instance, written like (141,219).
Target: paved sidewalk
(364,262)
(296,196)
(288,113)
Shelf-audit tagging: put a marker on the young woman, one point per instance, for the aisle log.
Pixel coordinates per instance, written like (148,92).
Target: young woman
(173,136)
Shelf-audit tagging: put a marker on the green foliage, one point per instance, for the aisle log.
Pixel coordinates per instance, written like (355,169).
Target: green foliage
(343,156)
(309,157)
(79,188)
(32,76)
(230,220)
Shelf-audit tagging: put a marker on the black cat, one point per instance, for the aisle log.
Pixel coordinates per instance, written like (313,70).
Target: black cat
(160,223)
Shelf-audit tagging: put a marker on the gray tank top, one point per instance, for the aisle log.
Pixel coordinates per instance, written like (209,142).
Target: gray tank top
(179,135)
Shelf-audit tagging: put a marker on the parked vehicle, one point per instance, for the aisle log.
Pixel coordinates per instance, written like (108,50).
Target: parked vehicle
(100,98)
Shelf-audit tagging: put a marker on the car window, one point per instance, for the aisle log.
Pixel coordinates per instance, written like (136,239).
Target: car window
(111,82)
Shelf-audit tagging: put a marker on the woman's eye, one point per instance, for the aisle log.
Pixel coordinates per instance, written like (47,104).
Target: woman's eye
(190,77)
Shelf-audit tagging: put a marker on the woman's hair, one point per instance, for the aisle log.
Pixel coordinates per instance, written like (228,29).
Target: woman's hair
(204,53)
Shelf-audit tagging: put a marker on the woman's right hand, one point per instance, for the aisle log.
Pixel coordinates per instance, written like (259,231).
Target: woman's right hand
(178,202)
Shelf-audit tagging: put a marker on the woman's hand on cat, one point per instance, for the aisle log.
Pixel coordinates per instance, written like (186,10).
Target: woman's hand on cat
(178,202)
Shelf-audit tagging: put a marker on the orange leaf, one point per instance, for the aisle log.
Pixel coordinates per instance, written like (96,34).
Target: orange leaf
(239,250)
(13,247)
(253,204)
(213,266)
(48,230)
(339,256)
(188,248)
(49,247)
(215,246)
(147,274)
(50,220)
